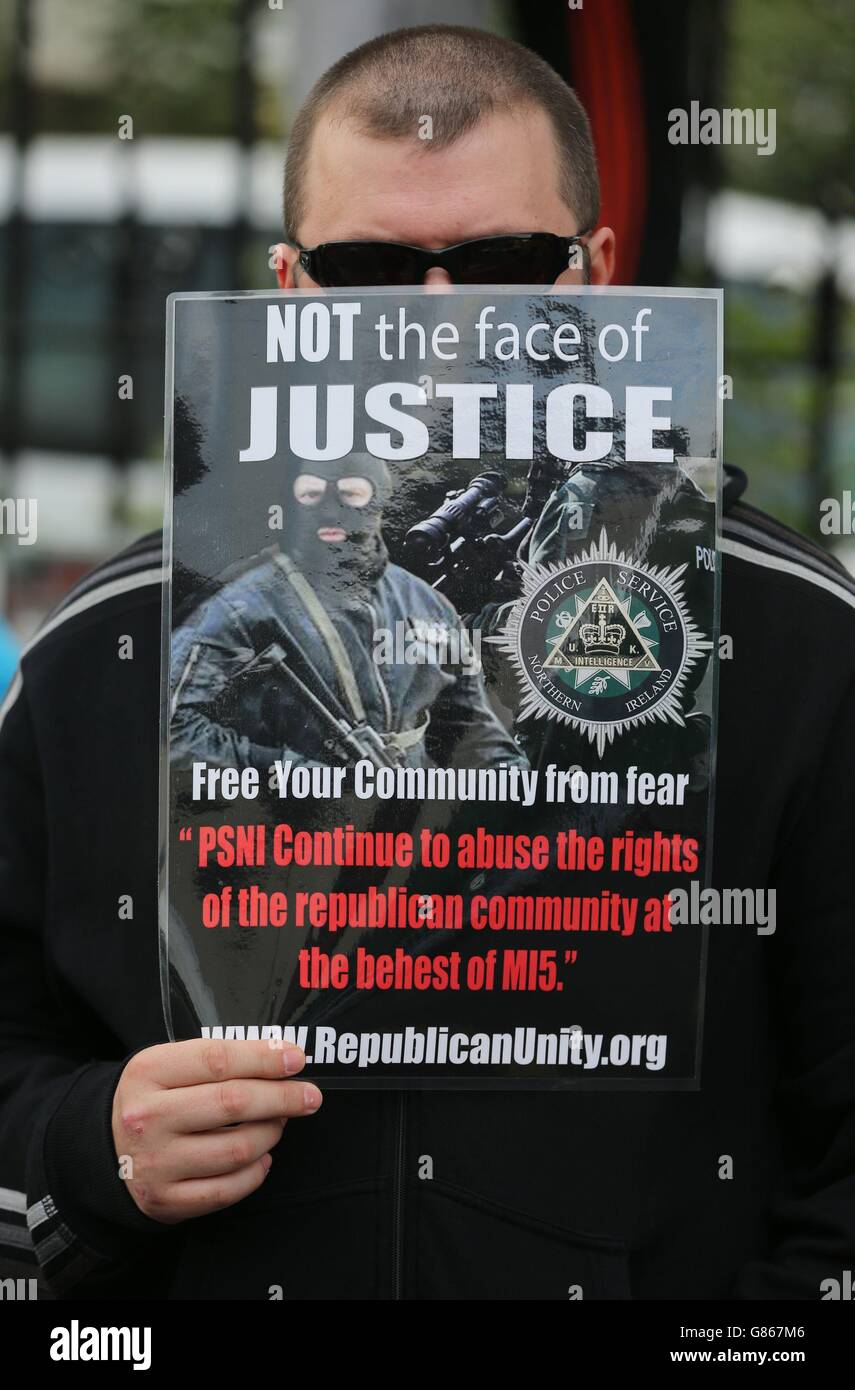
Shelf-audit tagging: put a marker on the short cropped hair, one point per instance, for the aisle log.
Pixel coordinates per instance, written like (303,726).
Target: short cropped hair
(457,76)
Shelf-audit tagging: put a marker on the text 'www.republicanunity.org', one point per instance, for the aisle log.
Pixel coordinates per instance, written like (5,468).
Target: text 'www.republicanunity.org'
(440,1046)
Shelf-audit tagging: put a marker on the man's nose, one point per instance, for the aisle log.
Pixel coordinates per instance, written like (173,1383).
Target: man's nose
(437,278)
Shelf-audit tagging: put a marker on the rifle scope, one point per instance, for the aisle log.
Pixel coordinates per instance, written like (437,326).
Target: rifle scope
(471,508)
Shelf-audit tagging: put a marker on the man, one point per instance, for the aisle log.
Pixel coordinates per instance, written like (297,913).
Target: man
(298,630)
(744,1188)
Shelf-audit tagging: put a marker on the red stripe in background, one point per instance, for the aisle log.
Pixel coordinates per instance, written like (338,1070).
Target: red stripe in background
(605,71)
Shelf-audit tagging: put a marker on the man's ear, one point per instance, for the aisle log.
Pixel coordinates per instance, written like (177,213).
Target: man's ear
(601,250)
(283,259)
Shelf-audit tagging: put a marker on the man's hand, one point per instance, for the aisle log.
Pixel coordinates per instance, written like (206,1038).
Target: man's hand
(198,1120)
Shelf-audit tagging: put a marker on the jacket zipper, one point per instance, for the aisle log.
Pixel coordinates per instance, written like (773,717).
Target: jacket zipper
(398,1183)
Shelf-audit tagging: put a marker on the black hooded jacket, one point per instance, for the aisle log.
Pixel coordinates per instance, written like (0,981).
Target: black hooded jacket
(229,709)
(742,1189)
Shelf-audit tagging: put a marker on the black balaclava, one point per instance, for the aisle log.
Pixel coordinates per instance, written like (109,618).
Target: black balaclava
(339,568)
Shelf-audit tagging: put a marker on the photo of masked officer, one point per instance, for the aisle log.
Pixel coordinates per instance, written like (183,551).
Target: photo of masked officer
(279,663)
(479,539)
(642,509)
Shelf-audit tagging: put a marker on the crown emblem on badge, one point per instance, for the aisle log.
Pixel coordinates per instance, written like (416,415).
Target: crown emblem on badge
(605,636)
(598,633)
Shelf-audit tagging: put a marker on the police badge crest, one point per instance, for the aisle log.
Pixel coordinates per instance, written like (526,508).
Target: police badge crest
(602,642)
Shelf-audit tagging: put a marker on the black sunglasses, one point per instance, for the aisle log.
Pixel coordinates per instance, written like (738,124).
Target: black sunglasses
(521,258)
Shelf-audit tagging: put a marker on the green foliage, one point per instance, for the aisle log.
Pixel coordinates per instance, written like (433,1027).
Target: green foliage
(173,64)
(798,57)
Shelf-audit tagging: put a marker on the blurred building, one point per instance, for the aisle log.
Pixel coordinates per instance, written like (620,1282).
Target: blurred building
(96,230)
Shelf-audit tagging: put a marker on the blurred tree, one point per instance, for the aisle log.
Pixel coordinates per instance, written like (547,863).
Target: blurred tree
(799,59)
(171,64)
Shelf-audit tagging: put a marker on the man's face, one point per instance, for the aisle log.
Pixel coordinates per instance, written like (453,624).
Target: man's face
(501,177)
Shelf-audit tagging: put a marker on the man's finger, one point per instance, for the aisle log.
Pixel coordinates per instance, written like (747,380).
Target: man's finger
(218,1151)
(235,1102)
(199,1196)
(200,1060)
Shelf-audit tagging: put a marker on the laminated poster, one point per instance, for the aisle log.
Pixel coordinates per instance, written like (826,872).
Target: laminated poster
(439,681)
